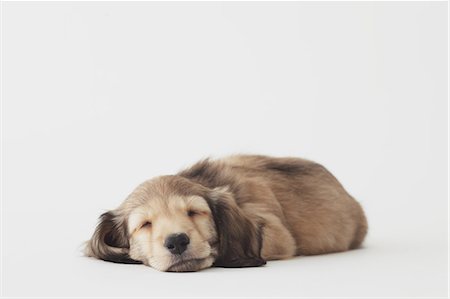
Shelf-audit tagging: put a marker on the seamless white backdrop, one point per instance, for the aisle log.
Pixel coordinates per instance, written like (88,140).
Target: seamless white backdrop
(97,97)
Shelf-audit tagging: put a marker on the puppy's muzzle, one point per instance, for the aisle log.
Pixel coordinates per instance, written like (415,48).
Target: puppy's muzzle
(177,243)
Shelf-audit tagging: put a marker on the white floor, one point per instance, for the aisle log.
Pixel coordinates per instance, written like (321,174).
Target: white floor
(383,268)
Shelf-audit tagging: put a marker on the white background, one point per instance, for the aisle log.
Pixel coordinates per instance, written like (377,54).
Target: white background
(98,97)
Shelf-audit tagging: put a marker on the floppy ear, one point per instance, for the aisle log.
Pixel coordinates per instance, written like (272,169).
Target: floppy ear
(239,238)
(110,240)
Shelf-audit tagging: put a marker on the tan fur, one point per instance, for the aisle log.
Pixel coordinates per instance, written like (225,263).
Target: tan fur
(248,209)
(320,215)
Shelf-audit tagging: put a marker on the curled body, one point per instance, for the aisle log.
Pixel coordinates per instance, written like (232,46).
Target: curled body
(240,211)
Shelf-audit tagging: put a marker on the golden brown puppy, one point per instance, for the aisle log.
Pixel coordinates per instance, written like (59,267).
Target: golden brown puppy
(236,212)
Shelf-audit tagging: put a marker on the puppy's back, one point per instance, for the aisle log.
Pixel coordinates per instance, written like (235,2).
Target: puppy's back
(320,213)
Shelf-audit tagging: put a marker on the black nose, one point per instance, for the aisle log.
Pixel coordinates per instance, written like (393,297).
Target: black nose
(177,243)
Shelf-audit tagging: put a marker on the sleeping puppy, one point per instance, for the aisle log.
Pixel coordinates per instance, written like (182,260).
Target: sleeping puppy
(236,212)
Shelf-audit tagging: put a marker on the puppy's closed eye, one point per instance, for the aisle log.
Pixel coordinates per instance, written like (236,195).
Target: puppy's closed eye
(192,213)
(146,224)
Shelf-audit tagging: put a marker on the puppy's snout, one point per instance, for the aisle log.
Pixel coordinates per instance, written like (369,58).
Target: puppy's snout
(177,243)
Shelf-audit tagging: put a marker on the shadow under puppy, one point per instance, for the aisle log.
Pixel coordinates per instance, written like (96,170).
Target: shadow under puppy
(235,212)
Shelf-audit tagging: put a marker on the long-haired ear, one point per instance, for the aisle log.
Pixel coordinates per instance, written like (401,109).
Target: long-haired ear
(239,238)
(110,240)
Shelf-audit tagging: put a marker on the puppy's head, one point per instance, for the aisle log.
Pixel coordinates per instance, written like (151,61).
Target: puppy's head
(173,224)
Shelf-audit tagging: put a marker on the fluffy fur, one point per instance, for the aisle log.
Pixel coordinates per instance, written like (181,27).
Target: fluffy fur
(238,212)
